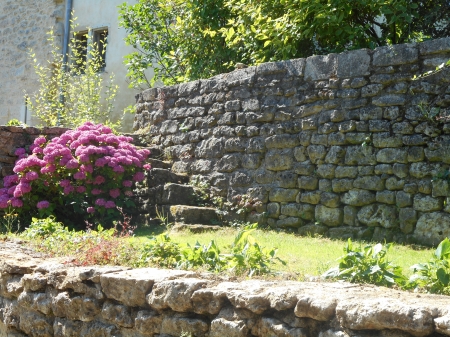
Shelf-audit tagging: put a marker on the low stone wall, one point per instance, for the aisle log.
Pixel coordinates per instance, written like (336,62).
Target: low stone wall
(341,144)
(13,137)
(44,297)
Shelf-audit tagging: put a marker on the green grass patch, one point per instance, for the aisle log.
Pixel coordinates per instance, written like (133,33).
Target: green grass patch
(304,256)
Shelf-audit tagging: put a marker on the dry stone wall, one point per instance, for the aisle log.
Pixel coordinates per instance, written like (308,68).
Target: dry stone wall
(42,297)
(337,144)
(13,137)
(23,25)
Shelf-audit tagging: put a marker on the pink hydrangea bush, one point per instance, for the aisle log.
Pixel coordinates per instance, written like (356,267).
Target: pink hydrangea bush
(88,171)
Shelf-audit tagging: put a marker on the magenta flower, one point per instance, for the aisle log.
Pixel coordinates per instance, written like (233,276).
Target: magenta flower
(40,140)
(90,209)
(72,164)
(20,152)
(31,175)
(100,202)
(96,191)
(16,202)
(147,167)
(98,180)
(81,189)
(68,189)
(43,204)
(80,175)
(128,193)
(127,183)
(119,169)
(110,204)
(138,176)
(64,183)
(114,193)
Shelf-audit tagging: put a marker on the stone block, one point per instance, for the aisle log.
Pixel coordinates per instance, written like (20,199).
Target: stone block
(300,153)
(283,195)
(289,222)
(401,170)
(279,159)
(440,188)
(308,182)
(350,213)
(403,199)
(341,185)
(336,139)
(326,171)
(386,197)
(309,197)
(335,155)
(321,67)
(316,153)
(346,172)
(392,155)
(378,215)
(394,184)
(343,233)
(426,203)
(360,155)
(286,179)
(389,100)
(325,185)
(353,63)
(273,210)
(319,139)
(304,169)
(371,90)
(383,169)
(330,199)
(395,55)
(358,198)
(312,230)
(329,216)
(408,220)
(282,141)
(374,183)
(432,228)
(384,139)
(251,161)
(435,46)
(424,186)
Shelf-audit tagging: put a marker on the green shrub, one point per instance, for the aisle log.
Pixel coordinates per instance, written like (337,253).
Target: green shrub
(434,276)
(367,265)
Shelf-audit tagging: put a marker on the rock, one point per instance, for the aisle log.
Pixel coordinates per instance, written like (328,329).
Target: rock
(279,160)
(289,222)
(175,194)
(408,219)
(329,216)
(221,327)
(283,195)
(373,183)
(386,197)
(316,153)
(174,294)
(193,215)
(432,228)
(395,55)
(308,182)
(131,287)
(425,203)
(378,215)
(392,155)
(320,307)
(380,314)
(117,314)
(148,322)
(311,230)
(403,199)
(360,155)
(358,198)
(177,325)
(80,308)
(282,141)
(273,327)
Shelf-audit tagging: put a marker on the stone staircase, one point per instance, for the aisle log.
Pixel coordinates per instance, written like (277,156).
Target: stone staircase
(167,197)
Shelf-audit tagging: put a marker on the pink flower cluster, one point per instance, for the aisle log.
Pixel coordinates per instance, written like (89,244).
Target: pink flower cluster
(90,164)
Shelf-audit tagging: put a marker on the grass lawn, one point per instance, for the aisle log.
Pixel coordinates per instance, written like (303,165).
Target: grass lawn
(304,256)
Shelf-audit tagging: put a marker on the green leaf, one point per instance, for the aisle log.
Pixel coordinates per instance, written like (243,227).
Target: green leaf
(443,250)
(443,276)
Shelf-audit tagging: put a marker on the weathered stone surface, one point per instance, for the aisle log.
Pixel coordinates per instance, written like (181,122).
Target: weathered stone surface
(192,214)
(360,155)
(279,160)
(329,216)
(432,228)
(425,203)
(353,64)
(130,287)
(308,182)
(408,219)
(379,314)
(395,55)
(392,155)
(378,215)
(283,195)
(358,198)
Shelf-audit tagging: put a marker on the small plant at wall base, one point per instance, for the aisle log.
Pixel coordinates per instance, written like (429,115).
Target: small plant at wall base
(86,174)
(76,92)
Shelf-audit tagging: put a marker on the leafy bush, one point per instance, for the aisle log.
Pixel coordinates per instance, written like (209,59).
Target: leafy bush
(246,255)
(88,171)
(367,265)
(434,276)
(72,93)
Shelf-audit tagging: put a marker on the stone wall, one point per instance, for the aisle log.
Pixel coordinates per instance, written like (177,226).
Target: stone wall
(337,144)
(45,297)
(23,25)
(13,137)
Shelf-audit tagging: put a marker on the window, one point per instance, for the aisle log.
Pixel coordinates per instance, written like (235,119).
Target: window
(82,44)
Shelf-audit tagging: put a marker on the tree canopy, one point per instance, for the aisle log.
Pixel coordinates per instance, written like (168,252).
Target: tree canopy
(184,40)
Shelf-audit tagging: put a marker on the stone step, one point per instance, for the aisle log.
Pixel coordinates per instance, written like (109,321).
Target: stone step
(160,176)
(193,215)
(179,227)
(156,163)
